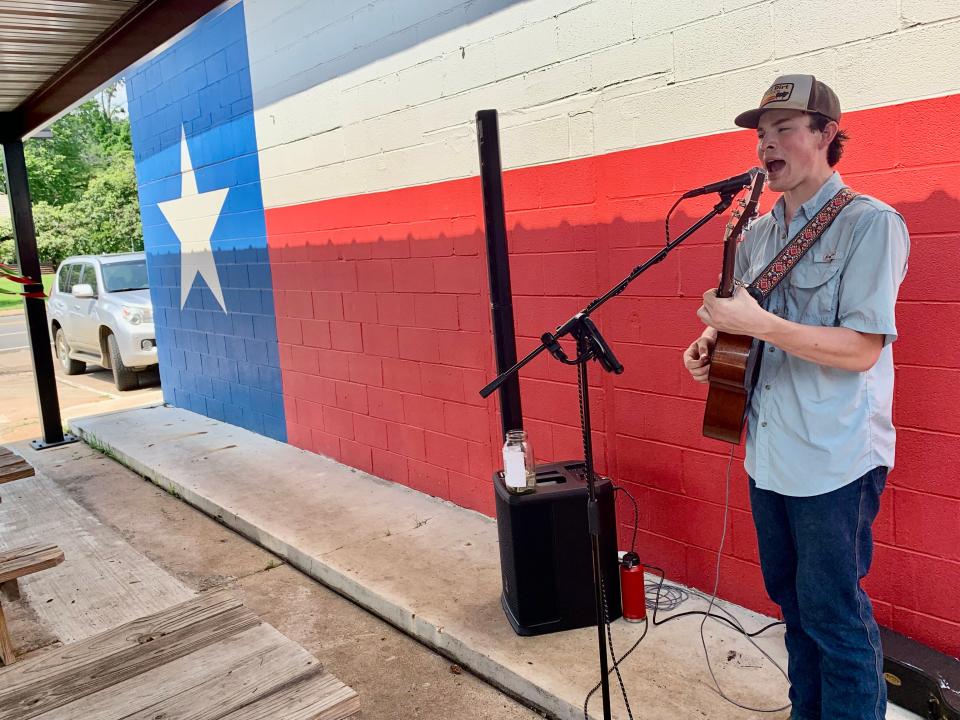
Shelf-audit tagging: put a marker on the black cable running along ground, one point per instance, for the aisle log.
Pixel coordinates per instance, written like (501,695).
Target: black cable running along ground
(729,619)
(713,599)
(656,604)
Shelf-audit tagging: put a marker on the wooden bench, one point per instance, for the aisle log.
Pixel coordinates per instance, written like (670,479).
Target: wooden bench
(15,563)
(13,467)
(206,658)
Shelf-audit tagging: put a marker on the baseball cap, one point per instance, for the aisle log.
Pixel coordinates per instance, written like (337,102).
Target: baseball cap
(794,92)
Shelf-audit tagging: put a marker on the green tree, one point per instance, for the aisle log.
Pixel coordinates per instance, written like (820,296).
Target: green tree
(83,184)
(109,212)
(7,253)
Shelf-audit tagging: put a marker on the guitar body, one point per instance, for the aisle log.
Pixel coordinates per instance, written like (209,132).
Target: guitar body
(733,365)
(734,360)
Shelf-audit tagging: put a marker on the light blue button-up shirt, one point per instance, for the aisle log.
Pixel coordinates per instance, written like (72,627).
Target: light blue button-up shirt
(812,428)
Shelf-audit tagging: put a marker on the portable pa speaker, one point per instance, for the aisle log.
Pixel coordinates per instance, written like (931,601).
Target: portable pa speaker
(546,558)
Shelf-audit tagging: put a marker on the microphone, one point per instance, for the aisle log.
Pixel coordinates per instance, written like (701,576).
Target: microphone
(731,184)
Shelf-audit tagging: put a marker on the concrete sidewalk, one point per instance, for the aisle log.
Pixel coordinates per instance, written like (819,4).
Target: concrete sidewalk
(132,548)
(431,569)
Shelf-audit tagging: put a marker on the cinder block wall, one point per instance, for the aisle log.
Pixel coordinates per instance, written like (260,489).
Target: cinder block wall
(366,160)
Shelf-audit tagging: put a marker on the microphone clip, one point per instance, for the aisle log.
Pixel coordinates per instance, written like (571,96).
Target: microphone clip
(550,343)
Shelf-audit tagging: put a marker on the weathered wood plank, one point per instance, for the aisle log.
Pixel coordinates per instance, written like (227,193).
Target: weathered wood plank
(18,473)
(8,459)
(76,655)
(238,686)
(177,688)
(6,644)
(17,562)
(104,582)
(8,456)
(319,697)
(8,553)
(13,467)
(62,676)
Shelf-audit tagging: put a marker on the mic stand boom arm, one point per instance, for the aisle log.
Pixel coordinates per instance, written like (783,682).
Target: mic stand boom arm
(548,341)
(591,345)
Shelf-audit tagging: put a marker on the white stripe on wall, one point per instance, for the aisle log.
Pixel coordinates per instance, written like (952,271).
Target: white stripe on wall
(357,97)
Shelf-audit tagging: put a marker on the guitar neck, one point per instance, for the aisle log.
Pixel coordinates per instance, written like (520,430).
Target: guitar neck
(727,273)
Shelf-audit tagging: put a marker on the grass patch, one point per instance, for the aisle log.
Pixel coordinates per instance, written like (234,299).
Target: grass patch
(15,302)
(95,444)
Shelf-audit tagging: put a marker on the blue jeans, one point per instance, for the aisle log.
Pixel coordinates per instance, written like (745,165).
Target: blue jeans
(813,553)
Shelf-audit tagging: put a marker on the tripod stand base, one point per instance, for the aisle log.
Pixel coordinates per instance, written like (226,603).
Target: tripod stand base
(545,552)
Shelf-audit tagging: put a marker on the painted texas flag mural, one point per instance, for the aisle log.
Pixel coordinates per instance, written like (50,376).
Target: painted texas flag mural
(308,177)
(193,217)
(191,111)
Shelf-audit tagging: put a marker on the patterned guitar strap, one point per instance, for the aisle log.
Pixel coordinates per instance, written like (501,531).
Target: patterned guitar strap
(791,254)
(782,264)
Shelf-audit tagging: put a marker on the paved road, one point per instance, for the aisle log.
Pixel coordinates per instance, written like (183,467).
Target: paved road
(88,394)
(13,332)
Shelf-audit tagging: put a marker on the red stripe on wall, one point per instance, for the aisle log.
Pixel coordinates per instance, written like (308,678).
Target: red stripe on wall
(383,323)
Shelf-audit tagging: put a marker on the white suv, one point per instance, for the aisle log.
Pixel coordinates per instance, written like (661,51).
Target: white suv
(100,312)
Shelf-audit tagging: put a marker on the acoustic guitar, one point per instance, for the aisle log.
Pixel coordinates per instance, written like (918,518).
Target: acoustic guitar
(734,360)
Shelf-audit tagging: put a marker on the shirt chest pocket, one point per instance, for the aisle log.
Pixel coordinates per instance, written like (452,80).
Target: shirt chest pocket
(813,288)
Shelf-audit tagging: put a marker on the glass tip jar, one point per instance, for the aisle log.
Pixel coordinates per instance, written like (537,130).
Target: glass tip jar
(519,468)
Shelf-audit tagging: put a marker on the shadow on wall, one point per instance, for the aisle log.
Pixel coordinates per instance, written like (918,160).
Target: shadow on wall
(647,421)
(382,343)
(359,38)
(360,328)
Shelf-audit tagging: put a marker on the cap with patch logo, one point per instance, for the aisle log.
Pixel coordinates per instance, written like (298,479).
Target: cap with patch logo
(794,92)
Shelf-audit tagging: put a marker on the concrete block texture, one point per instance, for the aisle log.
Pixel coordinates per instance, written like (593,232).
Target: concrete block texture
(354,130)
(448,72)
(728,42)
(799,29)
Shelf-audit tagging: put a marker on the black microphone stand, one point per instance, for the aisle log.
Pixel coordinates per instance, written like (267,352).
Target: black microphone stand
(592,346)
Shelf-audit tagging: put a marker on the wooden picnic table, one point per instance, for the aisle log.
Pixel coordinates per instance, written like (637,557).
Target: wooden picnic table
(13,467)
(209,658)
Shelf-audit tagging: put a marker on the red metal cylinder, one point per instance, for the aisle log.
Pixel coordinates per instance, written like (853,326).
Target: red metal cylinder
(633,594)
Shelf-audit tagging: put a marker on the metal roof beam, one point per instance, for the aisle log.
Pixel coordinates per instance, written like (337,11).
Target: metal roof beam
(146,27)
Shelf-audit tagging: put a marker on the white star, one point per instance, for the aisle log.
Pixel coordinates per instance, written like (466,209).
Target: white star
(193,216)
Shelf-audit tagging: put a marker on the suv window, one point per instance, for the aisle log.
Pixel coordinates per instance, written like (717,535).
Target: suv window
(74,277)
(89,276)
(127,275)
(63,280)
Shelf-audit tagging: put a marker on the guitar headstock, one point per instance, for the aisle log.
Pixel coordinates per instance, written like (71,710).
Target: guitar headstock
(745,209)
(743,212)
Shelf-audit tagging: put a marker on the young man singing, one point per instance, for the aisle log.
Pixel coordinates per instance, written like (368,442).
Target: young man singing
(820,437)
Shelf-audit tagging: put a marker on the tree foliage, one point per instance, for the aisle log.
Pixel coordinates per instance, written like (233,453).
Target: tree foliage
(83,185)
(6,238)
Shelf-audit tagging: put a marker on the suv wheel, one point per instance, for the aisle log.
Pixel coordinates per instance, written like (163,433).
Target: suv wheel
(123,377)
(70,366)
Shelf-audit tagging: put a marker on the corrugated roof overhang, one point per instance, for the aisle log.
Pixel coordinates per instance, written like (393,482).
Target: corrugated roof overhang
(55,53)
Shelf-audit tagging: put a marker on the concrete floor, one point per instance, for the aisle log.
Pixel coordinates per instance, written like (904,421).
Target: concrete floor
(395,676)
(428,567)
(431,569)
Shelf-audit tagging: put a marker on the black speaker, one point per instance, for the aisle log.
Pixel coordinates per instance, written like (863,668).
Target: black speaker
(545,555)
